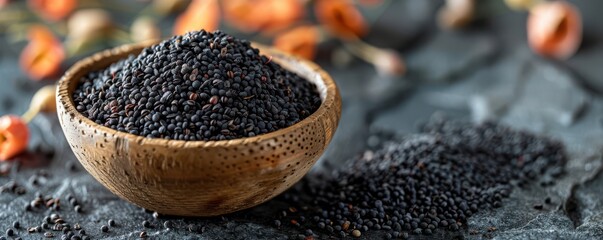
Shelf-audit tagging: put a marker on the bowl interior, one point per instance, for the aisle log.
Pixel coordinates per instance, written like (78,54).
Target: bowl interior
(309,71)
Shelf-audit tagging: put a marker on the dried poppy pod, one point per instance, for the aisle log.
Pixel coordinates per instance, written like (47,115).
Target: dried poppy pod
(198,178)
(555,29)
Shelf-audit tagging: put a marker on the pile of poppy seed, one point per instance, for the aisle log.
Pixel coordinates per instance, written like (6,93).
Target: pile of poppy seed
(421,183)
(198,86)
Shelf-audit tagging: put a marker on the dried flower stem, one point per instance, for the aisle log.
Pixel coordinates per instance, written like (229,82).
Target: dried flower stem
(386,61)
(43,101)
(29,115)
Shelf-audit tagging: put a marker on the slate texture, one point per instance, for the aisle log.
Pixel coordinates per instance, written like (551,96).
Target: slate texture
(486,72)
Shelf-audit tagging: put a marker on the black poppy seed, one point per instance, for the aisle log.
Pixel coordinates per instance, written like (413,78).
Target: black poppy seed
(9,232)
(48,235)
(192,228)
(547,200)
(16,224)
(417,184)
(146,224)
(75,237)
(82,232)
(104,228)
(206,83)
(538,206)
(77,208)
(168,224)
(111,223)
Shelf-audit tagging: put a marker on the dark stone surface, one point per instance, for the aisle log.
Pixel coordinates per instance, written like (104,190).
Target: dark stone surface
(486,72)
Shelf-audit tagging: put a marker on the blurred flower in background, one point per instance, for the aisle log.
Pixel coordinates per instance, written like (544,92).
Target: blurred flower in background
(58,32)
(53,10)
(555,29)
(14,135)
(200,14)
(43,55)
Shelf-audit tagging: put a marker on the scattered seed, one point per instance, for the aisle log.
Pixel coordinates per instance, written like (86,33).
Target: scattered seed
(146,224)
(48,235)
(547,200)
(104,228)
(111,223)
(420,183)
(143,234)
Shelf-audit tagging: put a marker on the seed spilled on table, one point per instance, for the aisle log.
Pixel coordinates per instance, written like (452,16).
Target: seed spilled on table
(198,86)
(434,180)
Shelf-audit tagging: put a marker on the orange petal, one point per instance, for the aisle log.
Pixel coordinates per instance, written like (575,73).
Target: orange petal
(341,18)
(200,14)
(262,15)
(43,56)
(53,10)
(555,29)
(300,41)
(14,135)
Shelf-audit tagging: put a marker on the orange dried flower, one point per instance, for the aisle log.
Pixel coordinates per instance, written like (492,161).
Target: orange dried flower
(300,41)
(53,10)
(200,14)
(341,18)
(14,135)
(262,15)
(555,29)
(43,56)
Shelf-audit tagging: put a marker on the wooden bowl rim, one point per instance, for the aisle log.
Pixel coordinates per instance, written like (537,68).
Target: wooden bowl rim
(64,96)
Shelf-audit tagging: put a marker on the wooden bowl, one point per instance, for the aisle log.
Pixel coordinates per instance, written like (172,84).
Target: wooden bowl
(198,178)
